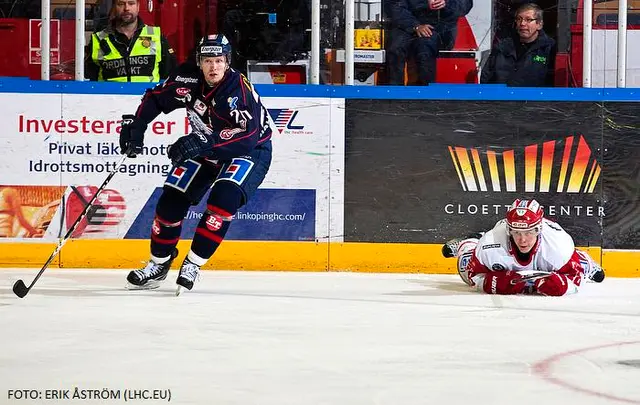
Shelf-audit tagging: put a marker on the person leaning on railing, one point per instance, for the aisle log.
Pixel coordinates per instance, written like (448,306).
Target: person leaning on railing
(128,50)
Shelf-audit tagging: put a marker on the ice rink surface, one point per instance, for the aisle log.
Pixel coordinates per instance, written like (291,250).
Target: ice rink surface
(270,338)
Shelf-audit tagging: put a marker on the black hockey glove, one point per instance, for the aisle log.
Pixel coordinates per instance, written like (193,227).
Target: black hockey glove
(198,143)
(189,147)
(132,135)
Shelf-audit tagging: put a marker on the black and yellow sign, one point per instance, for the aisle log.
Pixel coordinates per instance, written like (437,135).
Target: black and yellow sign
(424,171)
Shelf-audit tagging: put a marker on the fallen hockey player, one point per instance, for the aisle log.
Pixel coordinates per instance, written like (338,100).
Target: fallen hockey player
(524,253)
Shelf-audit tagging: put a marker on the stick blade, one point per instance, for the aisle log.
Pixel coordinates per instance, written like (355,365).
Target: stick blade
(20,289)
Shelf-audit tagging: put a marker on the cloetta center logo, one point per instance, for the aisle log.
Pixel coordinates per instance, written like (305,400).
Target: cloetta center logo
(562,166)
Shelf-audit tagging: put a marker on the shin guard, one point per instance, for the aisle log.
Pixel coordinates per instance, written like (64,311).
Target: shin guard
(164,236)
(167,224)
(223,203)
(210,232)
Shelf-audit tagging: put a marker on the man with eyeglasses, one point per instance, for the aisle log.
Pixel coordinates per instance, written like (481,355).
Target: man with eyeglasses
(526,59)
(524,253)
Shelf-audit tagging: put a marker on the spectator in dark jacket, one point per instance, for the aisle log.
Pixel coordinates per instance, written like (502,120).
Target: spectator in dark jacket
(423,27)
(525,60)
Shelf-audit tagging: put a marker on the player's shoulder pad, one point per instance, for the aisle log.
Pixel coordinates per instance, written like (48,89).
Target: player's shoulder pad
(235,74)
(557,244)
(547,223)
(556,236)
(490,240)
(496,238)
(235,89)
(496,235)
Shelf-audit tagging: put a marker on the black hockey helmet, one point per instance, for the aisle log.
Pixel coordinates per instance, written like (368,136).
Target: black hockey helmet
(213,45)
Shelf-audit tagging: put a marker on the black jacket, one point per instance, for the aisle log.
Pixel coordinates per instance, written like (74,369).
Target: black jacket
(534,68)
(408,14)
(122,44)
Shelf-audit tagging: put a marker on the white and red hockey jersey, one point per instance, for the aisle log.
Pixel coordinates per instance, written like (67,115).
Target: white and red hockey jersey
(554,252)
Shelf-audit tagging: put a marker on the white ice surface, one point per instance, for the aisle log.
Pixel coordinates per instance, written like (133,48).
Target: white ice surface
(272,338)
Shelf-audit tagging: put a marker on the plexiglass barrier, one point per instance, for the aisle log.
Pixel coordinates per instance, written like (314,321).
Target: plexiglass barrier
(556,43)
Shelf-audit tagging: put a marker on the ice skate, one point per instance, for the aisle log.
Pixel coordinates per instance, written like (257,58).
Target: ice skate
(450,248)
(595,273)
(189,273)
(150,276)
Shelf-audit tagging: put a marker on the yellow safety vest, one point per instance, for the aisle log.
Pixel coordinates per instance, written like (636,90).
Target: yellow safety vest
(142,64)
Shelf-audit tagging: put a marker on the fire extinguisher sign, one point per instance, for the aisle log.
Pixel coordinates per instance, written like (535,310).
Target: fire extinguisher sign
(35,48)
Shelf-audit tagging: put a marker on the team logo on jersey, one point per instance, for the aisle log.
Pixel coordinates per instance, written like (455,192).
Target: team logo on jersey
(233,103)
(199,107)
(228,133)
(578,170)
(182,91)
(497,266)
(285,119)
(185,99)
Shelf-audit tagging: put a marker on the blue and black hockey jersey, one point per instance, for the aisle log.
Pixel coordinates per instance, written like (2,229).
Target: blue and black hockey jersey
(231,109)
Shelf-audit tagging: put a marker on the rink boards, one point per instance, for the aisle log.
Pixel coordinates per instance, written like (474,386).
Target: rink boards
(363,179)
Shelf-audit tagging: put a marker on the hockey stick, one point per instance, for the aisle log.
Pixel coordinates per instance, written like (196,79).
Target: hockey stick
(77,192)
(532,277)
(19,288)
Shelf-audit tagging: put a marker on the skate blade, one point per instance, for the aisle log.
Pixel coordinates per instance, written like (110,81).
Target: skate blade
(179,290)
(150,285)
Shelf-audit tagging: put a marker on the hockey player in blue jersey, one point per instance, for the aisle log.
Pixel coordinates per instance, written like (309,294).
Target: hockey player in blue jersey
(229,151)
